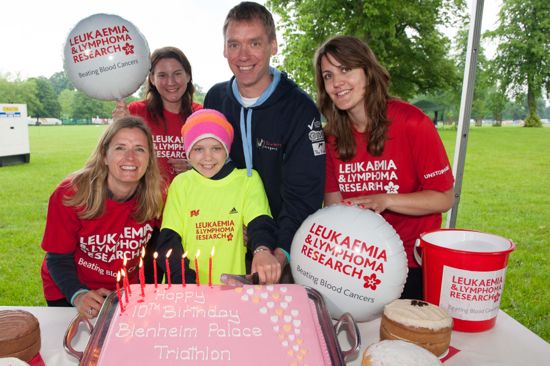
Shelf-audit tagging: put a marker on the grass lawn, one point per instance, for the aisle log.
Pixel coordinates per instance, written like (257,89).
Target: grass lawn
(504,192)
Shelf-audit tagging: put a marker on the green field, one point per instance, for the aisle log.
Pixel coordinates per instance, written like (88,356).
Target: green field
(504,192)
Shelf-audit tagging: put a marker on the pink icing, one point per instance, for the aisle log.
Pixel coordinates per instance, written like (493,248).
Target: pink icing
(220,325)
(321,336)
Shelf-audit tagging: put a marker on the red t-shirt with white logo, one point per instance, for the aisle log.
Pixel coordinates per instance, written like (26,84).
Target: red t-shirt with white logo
(166,135)
(414,159)
(99,245)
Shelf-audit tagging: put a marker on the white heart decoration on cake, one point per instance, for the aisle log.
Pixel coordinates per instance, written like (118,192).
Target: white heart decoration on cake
(291,337)
(284,305)
(274,318)
(285,343)
(283,289)
(263,310)
(270,304)
(263,295)
(244,297)
(288,298)
(276,328)
(296,322)
(287,318)
(294,312)
(250,291)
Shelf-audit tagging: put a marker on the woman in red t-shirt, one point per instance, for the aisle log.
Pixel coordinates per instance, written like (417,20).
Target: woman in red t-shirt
(383,154)
(101,215)
(167,104)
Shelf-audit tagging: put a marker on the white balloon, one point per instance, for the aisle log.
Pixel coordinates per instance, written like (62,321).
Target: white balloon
(353,257)
(106,57)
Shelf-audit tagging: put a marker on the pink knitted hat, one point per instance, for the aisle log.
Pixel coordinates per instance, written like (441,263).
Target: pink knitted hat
(206,123)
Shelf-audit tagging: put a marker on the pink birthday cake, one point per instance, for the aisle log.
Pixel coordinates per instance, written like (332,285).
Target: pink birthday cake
(219,325)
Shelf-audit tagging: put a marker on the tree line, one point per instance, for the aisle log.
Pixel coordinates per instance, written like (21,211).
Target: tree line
(56,97)
(426,66)
(408,38)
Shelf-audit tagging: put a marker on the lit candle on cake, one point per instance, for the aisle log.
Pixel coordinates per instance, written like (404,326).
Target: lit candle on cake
(118,292)
(166,261)
(125,284)
(126,279)
(183,269)
(141,277)
(155,256)
(197,279)
(142,271)
(210,267)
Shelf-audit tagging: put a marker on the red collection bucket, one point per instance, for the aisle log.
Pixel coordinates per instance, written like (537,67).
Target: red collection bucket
(463,272)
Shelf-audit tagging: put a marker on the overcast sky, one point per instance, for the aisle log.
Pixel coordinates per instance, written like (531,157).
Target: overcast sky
(33,32)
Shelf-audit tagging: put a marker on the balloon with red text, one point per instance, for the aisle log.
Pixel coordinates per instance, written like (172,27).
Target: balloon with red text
(353,257)
(106,57)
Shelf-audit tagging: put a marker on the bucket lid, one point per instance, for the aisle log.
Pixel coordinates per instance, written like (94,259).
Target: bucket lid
(468,241)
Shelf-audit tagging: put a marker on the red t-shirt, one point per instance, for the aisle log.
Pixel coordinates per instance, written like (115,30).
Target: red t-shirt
(414,159)
(99,245)
(166,135)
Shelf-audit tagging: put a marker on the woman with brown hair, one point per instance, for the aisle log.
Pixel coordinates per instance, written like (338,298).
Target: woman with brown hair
(383,154)
(101,215)
(167,104)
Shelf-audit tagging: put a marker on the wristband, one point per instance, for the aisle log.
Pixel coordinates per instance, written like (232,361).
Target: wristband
(259,249)
(287,255)
(81,291)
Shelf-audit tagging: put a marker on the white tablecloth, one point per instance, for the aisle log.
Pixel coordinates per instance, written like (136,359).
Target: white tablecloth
(508,343)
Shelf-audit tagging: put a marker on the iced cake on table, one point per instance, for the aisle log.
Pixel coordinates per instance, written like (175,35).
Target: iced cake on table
(398,353)
(215,325)
(419,322)
(19,334)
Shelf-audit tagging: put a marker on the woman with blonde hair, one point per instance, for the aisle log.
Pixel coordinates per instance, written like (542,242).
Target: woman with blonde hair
(383,154)
(101,215)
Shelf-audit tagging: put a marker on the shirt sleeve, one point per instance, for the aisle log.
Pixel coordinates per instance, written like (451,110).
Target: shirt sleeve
(257,216)
(62,225)
(173,209)
(433,167)
(303,174)
(63,271)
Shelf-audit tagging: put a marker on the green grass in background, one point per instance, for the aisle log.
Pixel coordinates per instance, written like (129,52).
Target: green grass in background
(504,192)
(25,189)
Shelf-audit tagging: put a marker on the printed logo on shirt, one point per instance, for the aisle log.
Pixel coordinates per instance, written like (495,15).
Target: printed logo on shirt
(368,176)
(263,144)
(215,230)
(109,247)
(436,173)
(318,148)
(391,188)
(169,147)
(315,136)
(233,211)
(194,213)
(314,124)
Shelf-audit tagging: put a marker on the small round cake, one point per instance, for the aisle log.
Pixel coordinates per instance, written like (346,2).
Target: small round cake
(19,335)
(419,322)
(397,353)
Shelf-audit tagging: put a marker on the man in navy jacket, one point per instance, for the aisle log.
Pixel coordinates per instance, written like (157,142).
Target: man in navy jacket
(277,125)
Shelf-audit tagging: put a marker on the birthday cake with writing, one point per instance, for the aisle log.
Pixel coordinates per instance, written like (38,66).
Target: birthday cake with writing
(215,325)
